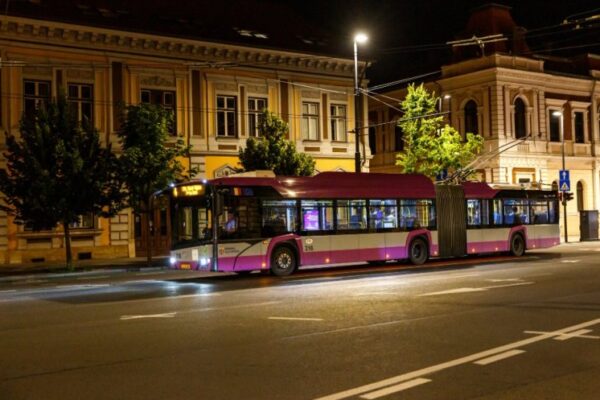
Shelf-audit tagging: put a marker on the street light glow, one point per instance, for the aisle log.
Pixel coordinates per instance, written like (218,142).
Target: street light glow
(360,38)
(557,113)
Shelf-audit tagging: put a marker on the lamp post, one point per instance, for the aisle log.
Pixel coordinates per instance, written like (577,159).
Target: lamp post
(358,38)
(562,139)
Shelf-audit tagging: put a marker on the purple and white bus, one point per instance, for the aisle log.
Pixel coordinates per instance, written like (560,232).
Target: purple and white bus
(242,224)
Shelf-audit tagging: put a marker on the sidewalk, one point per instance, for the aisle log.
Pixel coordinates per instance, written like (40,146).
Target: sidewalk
(82,267)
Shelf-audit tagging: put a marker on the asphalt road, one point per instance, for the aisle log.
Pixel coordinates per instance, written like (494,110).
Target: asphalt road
(484,328)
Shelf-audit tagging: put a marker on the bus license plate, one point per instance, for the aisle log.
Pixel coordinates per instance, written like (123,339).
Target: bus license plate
(185,266)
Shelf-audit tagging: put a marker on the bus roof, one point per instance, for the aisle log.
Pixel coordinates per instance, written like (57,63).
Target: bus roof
(332,185)
(349,185)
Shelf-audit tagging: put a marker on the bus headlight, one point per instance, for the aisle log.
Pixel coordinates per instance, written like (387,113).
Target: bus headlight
(172,260)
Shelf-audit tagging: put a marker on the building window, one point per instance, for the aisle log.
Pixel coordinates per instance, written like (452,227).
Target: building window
(373,139)
(35,94)
(310,121)
(165,99)
(580,198)
(554,127)
(256,106)
(338,123)
(84,221)
(520,125)
(579,134)
(471,125)
(81,101)
(227,116)
(398,138)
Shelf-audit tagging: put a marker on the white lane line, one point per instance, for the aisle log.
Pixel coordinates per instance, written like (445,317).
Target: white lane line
(374,294)
(83,278)
(83,286)
(150,273)
(165,315)
(505,280)
(499,357)
(296,319)
(453,363)
(468,290)
(396,388)
(8,291)
(569,261)
(565,336)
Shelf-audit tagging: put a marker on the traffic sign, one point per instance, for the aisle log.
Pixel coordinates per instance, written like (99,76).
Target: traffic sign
(564,180)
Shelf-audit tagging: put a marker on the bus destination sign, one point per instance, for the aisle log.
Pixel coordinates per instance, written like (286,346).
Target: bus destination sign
(188,190)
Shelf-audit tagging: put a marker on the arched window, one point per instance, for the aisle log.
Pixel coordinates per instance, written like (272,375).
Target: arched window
(471,117)
(579,196)
(520,125)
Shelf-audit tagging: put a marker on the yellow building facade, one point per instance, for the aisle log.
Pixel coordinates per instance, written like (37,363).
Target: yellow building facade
(215,91)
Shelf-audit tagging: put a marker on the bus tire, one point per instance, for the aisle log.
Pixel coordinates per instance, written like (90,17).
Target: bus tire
(418,251)
(517,245)
(283,261)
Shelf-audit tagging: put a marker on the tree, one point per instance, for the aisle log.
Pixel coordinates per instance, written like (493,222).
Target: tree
(429,147)
(57,171)
(272,151)
(150,160)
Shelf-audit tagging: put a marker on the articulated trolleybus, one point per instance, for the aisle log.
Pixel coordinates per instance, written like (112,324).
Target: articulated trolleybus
(243,224)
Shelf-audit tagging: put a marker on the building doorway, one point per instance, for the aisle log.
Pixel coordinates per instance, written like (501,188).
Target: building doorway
(159,231)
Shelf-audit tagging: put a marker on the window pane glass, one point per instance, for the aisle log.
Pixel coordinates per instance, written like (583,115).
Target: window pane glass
(473,213)
(497,212)
(231,124)
(44,89)
(317,215)
(73,91)
(516,212)
(231,102)
(313,128)
(220,102)
(539,212)
(352,214)
(220,123)
(485,212)
(86,92)
(145,96)
(383,214)
(29,88)
(279,216)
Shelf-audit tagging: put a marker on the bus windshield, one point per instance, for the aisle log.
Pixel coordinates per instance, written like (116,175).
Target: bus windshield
(191,221)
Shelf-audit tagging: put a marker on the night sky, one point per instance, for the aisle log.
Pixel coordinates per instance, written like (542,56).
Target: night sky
(406,38)
(400,30)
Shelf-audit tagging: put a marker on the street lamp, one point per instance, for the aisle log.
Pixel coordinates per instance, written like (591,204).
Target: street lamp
(358,38)
(562,139)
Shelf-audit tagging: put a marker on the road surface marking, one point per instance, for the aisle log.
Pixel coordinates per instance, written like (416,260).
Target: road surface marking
(569,261)
(468,290)
(453,363)
(374,294)
(83,286)
(565,336)
(150,273)
(165,315)
(92,277)
(7,291)
(499,357)
(296,318)
(396,388)
(505,280)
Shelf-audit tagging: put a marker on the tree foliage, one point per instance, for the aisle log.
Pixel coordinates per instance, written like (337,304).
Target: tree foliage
(430,147)
(57,171)
(150,159)
(273,151)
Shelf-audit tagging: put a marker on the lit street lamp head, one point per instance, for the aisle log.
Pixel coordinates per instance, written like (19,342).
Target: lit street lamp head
(557,113)
(360,38)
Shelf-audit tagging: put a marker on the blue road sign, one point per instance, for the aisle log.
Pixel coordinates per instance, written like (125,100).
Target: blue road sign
(564,180)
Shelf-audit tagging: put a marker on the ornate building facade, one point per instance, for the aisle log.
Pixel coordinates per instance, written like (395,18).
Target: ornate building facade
(507,97)
(216,92)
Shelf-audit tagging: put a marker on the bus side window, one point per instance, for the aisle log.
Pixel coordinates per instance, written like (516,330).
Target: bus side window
(497,210)
(473,212)
(351,214)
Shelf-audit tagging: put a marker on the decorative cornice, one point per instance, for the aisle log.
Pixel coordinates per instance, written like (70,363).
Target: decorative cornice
(192,53)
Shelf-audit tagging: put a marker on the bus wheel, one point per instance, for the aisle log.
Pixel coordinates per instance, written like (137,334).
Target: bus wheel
(517,245)
(418,251)
(283,261)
